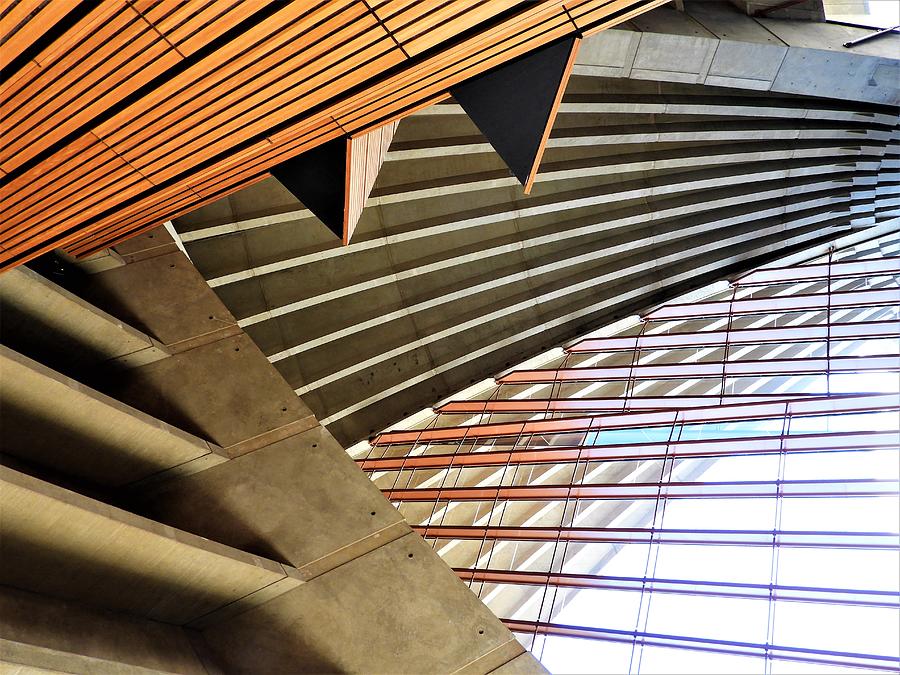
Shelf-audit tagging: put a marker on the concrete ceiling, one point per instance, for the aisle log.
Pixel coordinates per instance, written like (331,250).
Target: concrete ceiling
(648,187)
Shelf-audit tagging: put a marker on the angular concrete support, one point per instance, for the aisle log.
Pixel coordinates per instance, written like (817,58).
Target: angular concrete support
(290,493)
(515,104)
(55,422)
(60,543)
(747,57)
(217,384)
(43,634)
(395,609)
(335,179)
(301,500)
(160,292)
(48,322)
(225,391)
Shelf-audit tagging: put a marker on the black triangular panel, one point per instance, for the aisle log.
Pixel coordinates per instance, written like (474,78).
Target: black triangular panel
(512,104)
(318,179)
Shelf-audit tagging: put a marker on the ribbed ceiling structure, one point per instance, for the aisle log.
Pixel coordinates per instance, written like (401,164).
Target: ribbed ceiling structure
(646,189)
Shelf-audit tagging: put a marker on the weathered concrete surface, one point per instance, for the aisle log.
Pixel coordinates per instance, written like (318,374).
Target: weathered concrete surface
(132,294)
(60,329)
(38,632)
(193,391)
(810,10)
(300,500)
(747,62)
(57,423)
(111,559)
(289,494)
(160,290)
(396,609)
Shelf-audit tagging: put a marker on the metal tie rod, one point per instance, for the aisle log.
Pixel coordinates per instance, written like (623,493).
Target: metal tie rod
(870,36)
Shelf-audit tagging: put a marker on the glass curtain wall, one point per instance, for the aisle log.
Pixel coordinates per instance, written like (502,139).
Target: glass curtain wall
(712,487)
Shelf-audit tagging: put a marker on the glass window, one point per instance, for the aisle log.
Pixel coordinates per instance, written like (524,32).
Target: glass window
(840,568)
(634,435)
(587,657)
(742,429)
(734,564)
(663,661)
(616,560)
(841,514)
(738,468)
(708,617)
(823,424)
(878,464)
(657,546)
(597,608)
(780,667)
(720,514)
(865,630)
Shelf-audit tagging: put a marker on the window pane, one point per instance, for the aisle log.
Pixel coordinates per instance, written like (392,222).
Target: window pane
(597,608)
(708,617)
(839,568)
(720,514)
(843,514)
(663,661)
(572,655)
(737,564)
(866,630)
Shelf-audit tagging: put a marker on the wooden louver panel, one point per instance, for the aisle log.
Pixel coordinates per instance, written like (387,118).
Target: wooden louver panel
(365,156)
(219,92)
(334,179)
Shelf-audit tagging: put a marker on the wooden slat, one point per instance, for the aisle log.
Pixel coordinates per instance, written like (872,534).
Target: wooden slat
(26,76)
(441,22)
(17,194)
(366,154)
(63,79)
(585,13)
(144,57)
(257,99)
(26,22)
(440,79)
(457,71)
(308,92)
(228,71)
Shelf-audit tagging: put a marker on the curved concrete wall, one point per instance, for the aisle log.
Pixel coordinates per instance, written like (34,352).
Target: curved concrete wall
(651,184)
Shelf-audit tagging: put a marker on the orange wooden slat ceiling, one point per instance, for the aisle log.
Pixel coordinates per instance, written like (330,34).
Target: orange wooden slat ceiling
(116,116)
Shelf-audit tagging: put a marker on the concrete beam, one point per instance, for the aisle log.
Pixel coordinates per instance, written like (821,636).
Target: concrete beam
(291,494)
(301,500)
(395,608)
(62,544)
(48,322)
(224,391)
(55,422)
(132,294)
(43,634)
(787,69)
